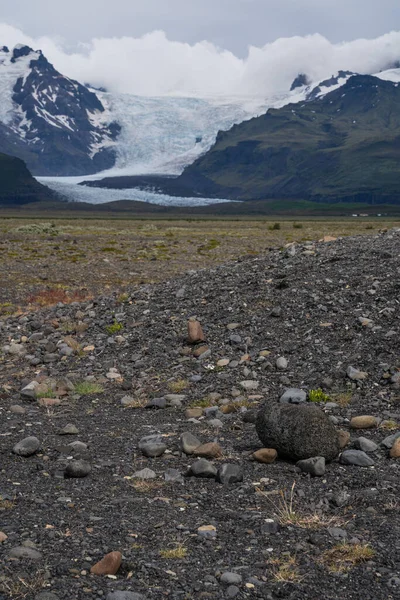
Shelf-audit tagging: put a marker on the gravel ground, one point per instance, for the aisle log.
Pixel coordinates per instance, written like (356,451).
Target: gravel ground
(107,373)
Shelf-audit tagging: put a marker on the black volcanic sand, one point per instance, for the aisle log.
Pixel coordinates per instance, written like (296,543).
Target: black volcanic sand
(339,307)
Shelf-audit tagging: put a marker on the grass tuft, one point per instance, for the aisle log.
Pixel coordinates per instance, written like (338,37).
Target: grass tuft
(87,388)
(177,553)
(285,570)
(344,557)
(178,386)
(114,328)
(318,396)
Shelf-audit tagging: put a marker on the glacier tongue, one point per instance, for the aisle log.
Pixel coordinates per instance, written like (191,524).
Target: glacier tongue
(165,134)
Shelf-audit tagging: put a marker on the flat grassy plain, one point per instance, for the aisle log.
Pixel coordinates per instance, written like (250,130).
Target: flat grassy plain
(48,260)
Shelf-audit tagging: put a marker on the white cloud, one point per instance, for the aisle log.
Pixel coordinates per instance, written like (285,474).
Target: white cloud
(154,65)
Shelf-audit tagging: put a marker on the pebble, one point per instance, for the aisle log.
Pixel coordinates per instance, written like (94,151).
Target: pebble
(363,422)
(229,474)
(207,531)
(232,591)
(69,429)
(344,438)
(144,474)
(357,458)
(194,413)
(355,374)
(109,565)
(47,596)
(229,578)
(3,537)
(195,332)
(152,446)
(249,385)
(390,440)
(17,410)
(173,475)
(314,466)
(189,443)
(265,455)
(27,447)
(77,469)
(224,362)
(294,396)
(210,450)
(365,445)
(203,468)
(24,552)
(395,449)
(281,363)
(29,391)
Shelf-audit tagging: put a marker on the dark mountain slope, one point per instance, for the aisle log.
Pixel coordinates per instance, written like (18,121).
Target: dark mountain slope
(344,146)
(17,186)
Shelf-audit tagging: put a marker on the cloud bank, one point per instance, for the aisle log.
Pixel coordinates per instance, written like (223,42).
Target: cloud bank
(153,65)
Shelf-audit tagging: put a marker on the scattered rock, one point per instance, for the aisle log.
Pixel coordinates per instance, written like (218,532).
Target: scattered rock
(3,537)
(355,374)
(265,455)
(314,466)
(297,431)
(344,438)
(365,445)
(69,429)
(77,469)
(152,446)
(109,565)
(27,447)
(363,422)
(282,363)
(294,396)
(25,553)
(249,385)
(195,332)
(228,578)
(210,450)
(207,531)
(17,410)
(229,474)
(357,458)
(124,596)
(194,413)
(144,474)
(189,443)
(395,449)
(203,468)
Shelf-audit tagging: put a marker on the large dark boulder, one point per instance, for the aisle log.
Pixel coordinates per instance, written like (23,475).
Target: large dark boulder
(297,431)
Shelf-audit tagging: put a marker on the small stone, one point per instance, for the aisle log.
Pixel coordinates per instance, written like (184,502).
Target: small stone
(144,474)
(173,475)
(249,385)
(390,440)
(210,450)
(294,396)
(69,429)
(357,458)
(195,332)
(270,527)
(216,423)
(276,311)
(395,449)
(229,474)
(27,447)
(109,565)
(265,455)
(79,446)
(314,466)
(3,537)
(207,531)
(152,446)
(77,469)
(224,362)
(355,374)
(48,402)
(158,403)
(365,445)
(194,413)
(363,422)
(337,533)
(201,351)
(189,443)
(29,391)
(17,410)
(228,578)
(203,468)
(127,401)
(344,438)
(24,552)
(281,363)
(232,591)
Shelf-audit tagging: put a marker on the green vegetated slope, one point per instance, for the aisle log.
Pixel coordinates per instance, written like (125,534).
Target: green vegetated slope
(17,186)
(344,146)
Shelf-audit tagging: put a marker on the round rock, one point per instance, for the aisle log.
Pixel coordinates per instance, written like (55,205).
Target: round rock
(77,469)
(293,396)
(27,447)
(297,432)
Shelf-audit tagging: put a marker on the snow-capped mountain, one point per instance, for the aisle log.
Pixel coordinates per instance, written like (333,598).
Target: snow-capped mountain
(57,125)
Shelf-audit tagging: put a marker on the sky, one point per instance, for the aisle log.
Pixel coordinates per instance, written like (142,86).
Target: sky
(205,47)
(230,24)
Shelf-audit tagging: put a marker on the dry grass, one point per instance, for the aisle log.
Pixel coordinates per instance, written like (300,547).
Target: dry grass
(345,557)
(75,345)
(176,387)
(343,399)
(52,296)
(389,425)
(6,504)
(145,486)
(177,553)
(287,514)
(21,588)
(285,569)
